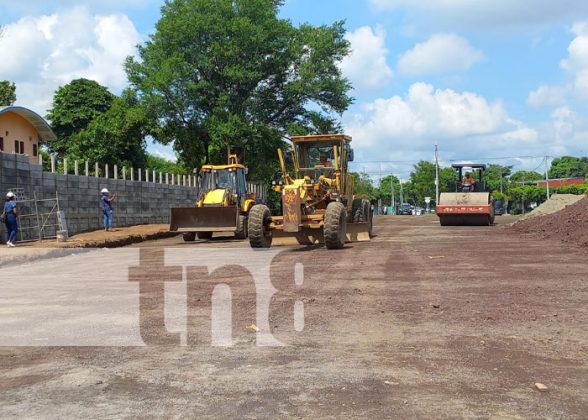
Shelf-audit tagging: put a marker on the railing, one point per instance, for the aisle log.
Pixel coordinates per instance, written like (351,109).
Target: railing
(107,172)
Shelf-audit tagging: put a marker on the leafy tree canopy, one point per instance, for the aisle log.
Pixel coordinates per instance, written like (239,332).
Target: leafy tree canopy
(93,124)
(7,91)
(523,176)
(160,164)
(364,186)
(497,176)
(75,106)
(116,136)
(220,73)
(568,166)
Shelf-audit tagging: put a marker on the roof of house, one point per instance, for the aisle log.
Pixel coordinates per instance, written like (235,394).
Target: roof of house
(44,130)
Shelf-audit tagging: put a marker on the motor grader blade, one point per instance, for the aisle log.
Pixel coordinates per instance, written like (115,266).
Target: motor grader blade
(358,232)
(204,219)
(303,237)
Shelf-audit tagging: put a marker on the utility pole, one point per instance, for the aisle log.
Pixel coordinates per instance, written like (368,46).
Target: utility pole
(393,200)
(380,199)
(547,175)
(436,174)
(501,181)
(401,193)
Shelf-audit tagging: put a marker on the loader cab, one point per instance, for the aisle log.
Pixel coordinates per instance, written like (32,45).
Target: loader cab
(476,172)
(218,180)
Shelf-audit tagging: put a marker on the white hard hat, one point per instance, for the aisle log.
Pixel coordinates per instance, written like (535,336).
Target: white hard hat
(10,194)
(104,191)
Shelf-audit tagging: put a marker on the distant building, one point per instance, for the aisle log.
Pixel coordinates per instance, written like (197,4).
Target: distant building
(22,131)
(561,182)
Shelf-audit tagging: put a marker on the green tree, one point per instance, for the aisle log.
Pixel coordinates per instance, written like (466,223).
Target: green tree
(526,194)
(422,182)
(159,164)
(115,136)
(525,176)
(496,176)
(568,167)
(364,186)
(384,191)
(220,73)
(7,92)
(75,106)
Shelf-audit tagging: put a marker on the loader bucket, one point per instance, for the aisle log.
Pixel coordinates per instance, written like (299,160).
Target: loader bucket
(358,232)
(204,219)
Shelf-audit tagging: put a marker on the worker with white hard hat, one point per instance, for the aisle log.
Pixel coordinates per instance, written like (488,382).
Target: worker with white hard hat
(106,201)
(9,217)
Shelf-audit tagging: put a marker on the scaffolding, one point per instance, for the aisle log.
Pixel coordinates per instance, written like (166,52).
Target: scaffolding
(38,219)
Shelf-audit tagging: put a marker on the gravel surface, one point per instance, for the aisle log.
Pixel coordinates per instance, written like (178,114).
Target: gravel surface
(421,322)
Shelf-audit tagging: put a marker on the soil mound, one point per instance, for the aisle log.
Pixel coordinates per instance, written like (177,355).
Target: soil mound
(556,203)
(569,225)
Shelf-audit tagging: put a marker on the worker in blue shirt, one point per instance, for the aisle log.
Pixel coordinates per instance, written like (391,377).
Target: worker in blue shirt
(10,216)
(106,205)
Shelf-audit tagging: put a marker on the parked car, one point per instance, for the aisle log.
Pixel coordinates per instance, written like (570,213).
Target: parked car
(499,208)
(405,209)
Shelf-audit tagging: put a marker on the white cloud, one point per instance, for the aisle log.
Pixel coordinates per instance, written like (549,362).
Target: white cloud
(366,66)
(489,14)
(577,62)
(44,52)
(440,53)
(547,96)
(465,125)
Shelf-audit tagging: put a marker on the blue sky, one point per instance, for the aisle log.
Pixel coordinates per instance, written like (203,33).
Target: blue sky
(482,79)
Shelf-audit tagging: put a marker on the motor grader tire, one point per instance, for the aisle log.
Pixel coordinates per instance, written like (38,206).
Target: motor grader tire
(189,236)
(305,238)
(367,215)
(260,235)
(241,232)
(207,236)
(355,210)
(335,229)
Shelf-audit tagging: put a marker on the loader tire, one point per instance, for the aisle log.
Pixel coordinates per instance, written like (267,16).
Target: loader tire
(260,235)
(189,236)
(205,236)
(335,226)
(241,232)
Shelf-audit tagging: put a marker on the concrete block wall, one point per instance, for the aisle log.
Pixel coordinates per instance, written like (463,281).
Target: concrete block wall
(79,196)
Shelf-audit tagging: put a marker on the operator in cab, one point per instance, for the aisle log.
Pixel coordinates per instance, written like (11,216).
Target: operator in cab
(469,181)
(324,161)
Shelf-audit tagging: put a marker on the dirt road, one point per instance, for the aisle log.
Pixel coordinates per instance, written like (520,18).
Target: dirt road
(422,322)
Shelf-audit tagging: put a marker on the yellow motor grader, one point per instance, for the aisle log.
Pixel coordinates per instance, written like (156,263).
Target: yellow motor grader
(223,204)
(318,204)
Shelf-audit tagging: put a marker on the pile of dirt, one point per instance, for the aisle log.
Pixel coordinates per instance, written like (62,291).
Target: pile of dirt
(569,225)
(556,203)
(116,238)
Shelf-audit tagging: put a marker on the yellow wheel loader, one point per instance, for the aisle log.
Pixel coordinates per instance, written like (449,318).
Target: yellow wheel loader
(318,205)
(471,204)
(223,204)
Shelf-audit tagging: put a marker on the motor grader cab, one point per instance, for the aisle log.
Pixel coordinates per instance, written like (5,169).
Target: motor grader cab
(222,206)
(471,204)
(318,204)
